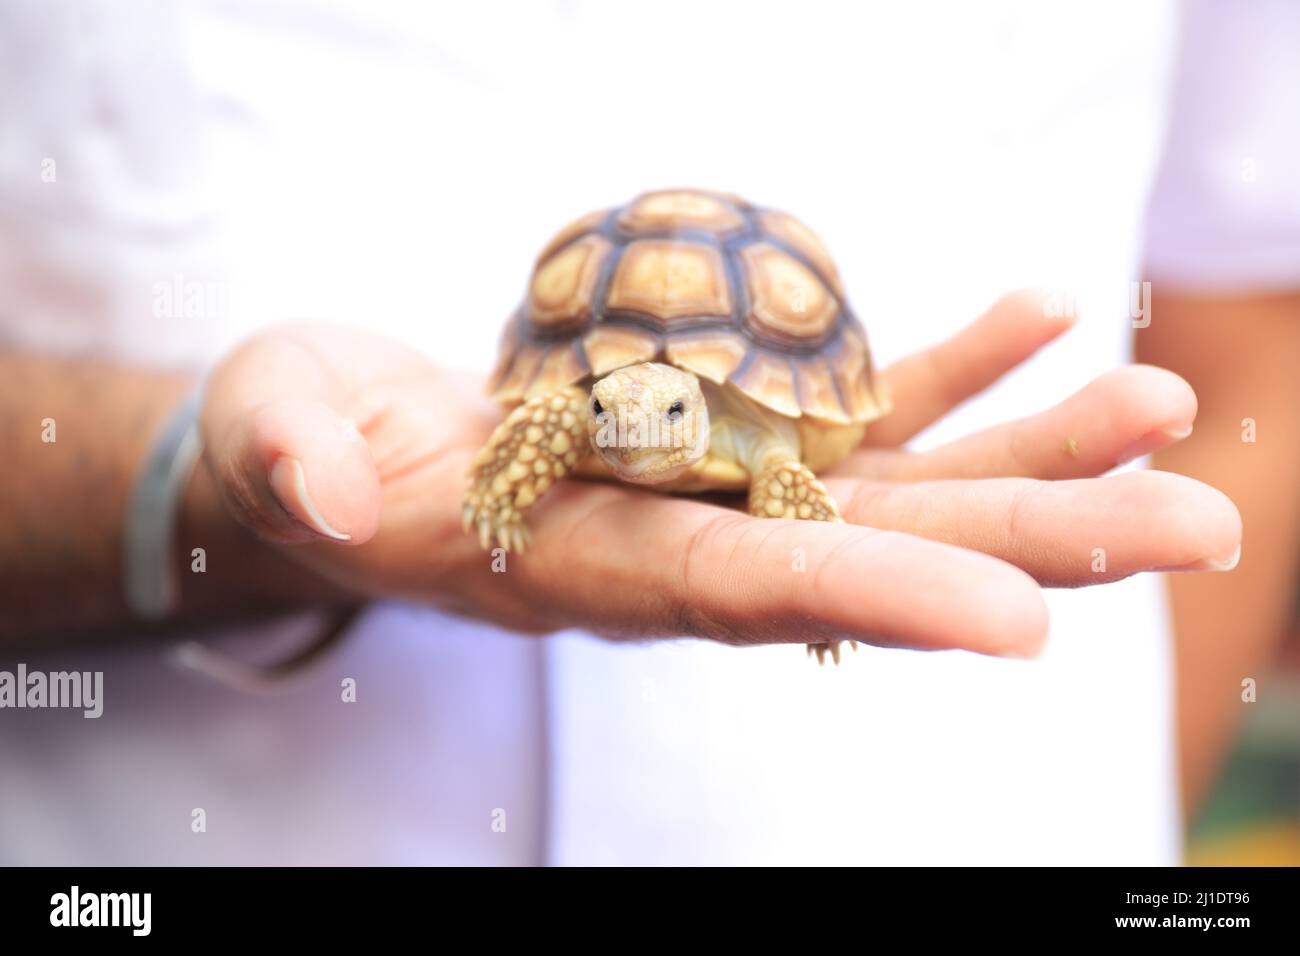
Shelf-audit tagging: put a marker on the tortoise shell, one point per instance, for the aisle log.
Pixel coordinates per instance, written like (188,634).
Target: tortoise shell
(705,281)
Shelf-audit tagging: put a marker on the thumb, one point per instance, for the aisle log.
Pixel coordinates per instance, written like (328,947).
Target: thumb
(288,463)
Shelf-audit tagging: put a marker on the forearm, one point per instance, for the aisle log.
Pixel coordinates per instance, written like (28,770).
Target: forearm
(1240,355)
(74,434)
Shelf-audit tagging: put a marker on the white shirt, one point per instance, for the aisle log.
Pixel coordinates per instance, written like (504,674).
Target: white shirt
(398,167)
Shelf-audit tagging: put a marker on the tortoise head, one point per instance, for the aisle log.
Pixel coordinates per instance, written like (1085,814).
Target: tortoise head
(649,422)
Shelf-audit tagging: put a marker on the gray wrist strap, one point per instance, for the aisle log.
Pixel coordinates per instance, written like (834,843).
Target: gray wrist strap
(150,560)
(148,540)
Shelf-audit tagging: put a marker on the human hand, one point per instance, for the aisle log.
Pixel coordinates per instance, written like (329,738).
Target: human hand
(315,432)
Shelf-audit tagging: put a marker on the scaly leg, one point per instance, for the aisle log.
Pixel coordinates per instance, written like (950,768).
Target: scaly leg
(539,442)
(786,488)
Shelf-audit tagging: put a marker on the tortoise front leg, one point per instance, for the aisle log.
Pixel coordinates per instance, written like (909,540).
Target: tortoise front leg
(539,443)
(784,487)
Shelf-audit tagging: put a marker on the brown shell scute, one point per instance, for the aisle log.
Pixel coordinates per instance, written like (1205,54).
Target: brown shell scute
(674,210)
(579,227)
(667,279)
(710,353)
(851,367)
(817,390)
(786,297)
(564,286)
(802,239)
(611,347)
(768,378)
(703,280)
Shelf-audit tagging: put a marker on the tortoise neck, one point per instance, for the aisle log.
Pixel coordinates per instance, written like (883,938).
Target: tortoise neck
(745,432)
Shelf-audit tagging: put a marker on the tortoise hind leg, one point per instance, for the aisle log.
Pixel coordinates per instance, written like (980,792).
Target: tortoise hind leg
(539,443)
(786,488)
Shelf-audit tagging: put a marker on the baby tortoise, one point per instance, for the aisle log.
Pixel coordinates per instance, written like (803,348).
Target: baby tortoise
(688,341)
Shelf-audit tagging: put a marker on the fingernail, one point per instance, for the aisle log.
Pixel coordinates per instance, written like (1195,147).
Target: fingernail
(1219,565)
(289,483)
(1153,441)
(1208,564)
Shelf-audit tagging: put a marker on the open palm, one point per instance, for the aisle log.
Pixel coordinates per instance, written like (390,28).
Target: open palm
(318,432)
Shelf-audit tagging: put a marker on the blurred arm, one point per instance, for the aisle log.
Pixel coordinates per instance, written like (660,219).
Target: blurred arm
(1240,354)
(62,504)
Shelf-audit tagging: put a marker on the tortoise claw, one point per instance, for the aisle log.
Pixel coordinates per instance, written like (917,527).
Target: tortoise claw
(833,647)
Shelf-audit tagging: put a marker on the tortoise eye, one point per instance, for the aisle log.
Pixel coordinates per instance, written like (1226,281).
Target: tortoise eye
(675,411)
(596,408)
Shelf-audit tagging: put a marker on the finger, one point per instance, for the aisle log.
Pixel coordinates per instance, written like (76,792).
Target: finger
(629,563)
(290,465)
(926,386)
(1064,533)
(1118,417)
